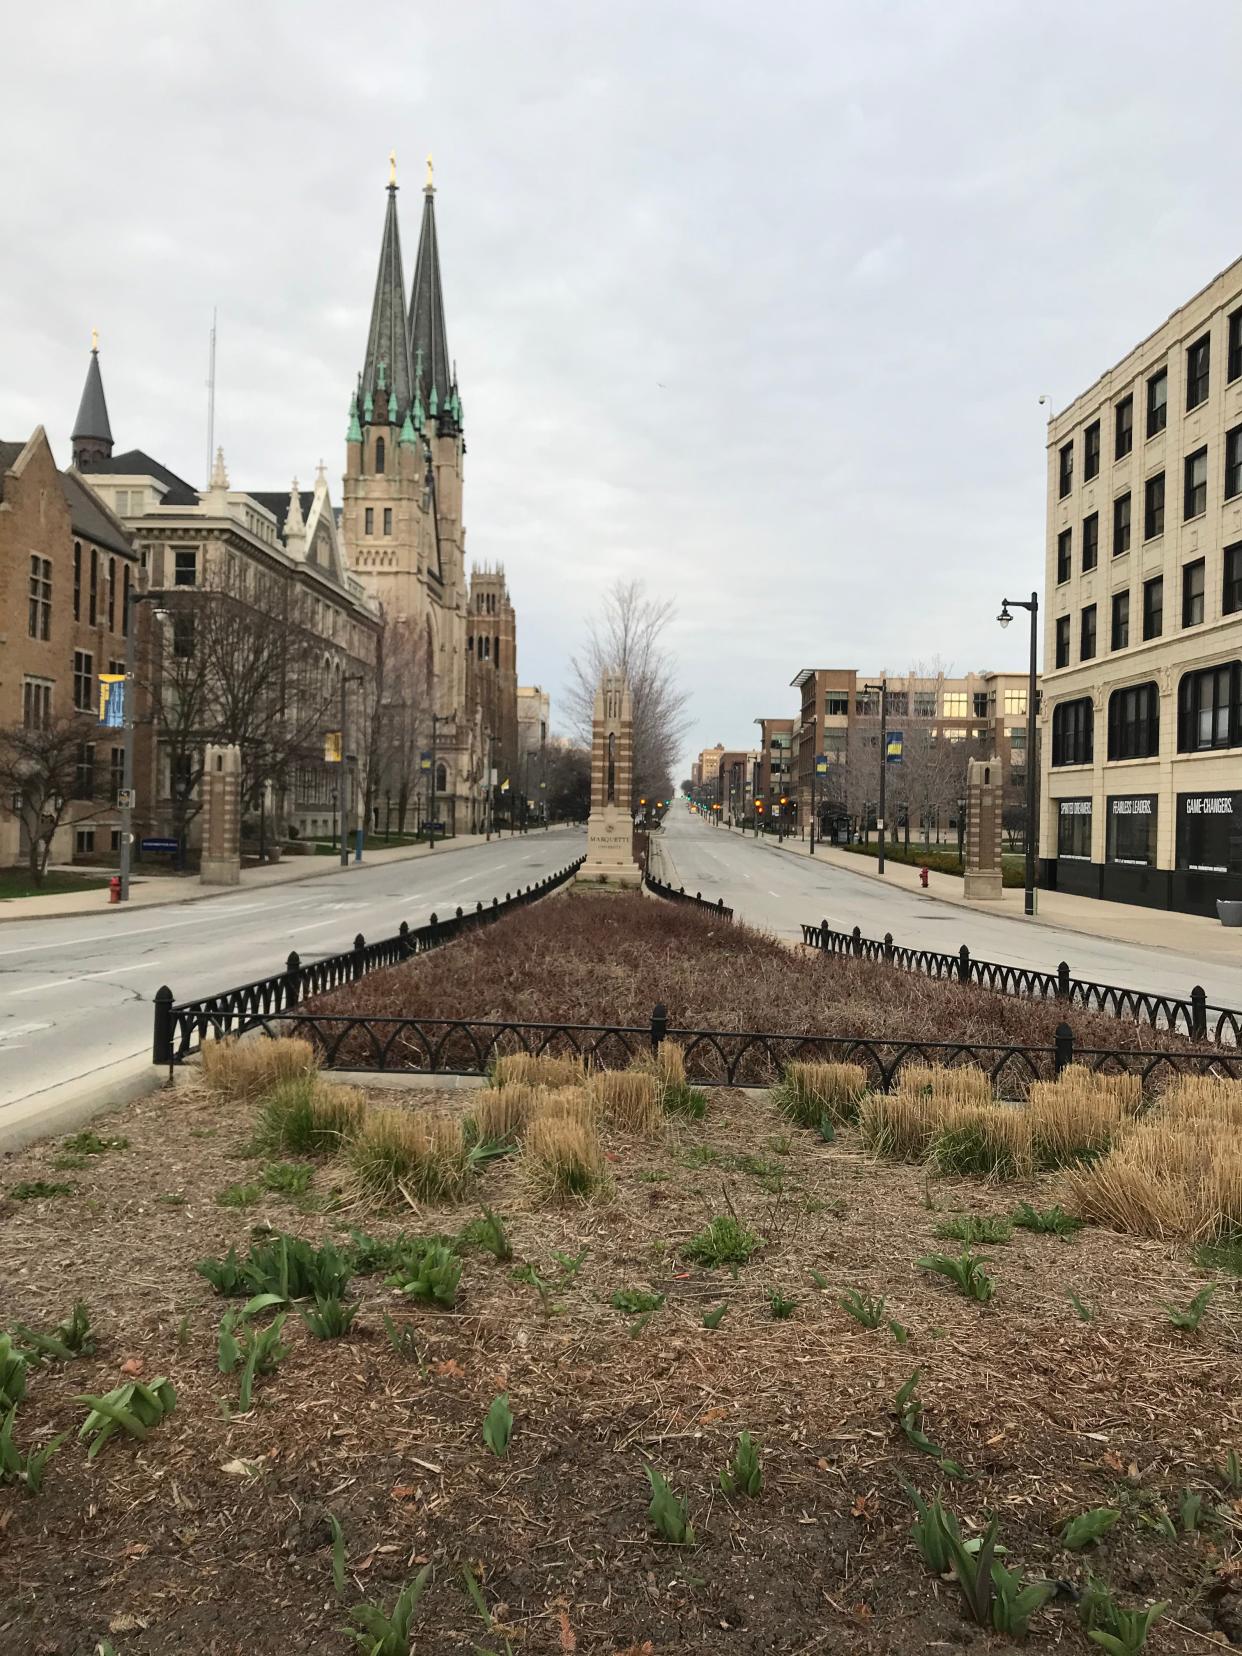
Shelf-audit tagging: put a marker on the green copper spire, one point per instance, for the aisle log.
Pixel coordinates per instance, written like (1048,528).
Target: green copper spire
(392,408)
(386,365)
(368,408)
(381,383)
(427,332)
(354,434)
(420,418)
(407,438)
(433,406)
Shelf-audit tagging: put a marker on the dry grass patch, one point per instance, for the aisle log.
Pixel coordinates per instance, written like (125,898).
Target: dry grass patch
(562,1159)
(901,1126)
(1168,1178)
(416,1154)
(946,1084)
(631,1098)
(245,1069)
(566,1104)
(991,1141)
(1203,1098)
(1080,1115)
(532,1070)
(305,1115)
(807,1093)
(500,1113)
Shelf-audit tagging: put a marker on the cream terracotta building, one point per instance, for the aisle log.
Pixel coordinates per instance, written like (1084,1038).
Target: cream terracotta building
(1142,704)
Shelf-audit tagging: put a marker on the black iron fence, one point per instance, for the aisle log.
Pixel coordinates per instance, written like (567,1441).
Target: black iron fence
(1192,1017)
(181,1026)
(679,894)
(469,1046)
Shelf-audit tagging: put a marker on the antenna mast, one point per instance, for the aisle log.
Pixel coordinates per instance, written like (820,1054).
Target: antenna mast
(211,397)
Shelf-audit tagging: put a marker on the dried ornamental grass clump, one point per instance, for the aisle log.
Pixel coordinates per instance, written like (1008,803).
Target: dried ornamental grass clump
(1168,1178)
(304,1115)
(246,1069)
(1204,1098)
(565,1103)
(900,1125)
(562,1159)
(807,1093)
(1076,1117)
(534,1070)
(989,1140)
(416,1154)
(668,1065)
(500,1112)
(630,1098)
(946,1083)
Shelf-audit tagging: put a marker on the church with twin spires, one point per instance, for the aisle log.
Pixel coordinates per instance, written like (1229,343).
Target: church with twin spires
(402,525)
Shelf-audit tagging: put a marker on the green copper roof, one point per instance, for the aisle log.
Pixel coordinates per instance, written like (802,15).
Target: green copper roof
(407,436)
(392,408)
(368,408)
(386,366)
(428,336)
(354,434)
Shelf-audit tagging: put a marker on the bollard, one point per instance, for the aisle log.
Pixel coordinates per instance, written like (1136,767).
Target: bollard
(1198,1014)
(162,1046)
(1063,1050)
(1063,981)
(659,1025)
(888,948)
(359,963)
(293,979)
(963,964)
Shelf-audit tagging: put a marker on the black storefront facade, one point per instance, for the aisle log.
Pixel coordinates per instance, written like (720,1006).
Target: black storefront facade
(1207,849)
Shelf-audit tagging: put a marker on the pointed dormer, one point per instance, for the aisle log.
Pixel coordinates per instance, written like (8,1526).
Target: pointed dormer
(92,434)
(295,524)
(385,383)
(427,332)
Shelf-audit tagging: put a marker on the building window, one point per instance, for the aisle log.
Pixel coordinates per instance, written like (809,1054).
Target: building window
(185,566)
(1066,473)
(84,842)
(83,680)
(441,779)
(1192,593)
(1072,742)
(954,704)
(1134,722)
(94,587)
(183,636)
(1153,507)
(369,521)
(1123,428)
(1235,345)
(1091,451)
(39,618)
(1157,402)
(1090,541)
(387,519)
(1197,359)
(84,777)
(1064,547)
(36,703)
(1121,524)
(1086,634)
(1231,597)
(980,700)
(379,457)
(1074,829)
(77,580)
(1132,829)
(1121,621)
(1153,607)
(1208,711)
(125,602)
(837,704)
(1015,703)
(1195,500)
(1233,461)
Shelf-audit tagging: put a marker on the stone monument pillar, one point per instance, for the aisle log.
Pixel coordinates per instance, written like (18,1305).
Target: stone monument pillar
(221,860)
(610,830)
(984,791)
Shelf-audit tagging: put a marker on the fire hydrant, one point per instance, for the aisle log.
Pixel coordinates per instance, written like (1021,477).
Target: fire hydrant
(114,889)
(923,877)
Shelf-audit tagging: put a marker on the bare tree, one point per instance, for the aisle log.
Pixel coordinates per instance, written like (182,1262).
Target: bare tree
(568,777)
(400,722)
(628,636)
(47,771)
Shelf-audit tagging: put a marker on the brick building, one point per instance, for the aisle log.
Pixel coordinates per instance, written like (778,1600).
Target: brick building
(491,677)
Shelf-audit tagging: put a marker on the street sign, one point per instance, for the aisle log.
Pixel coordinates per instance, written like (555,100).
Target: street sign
(331,747)
(160,845)
(895,747)
(112,700)
(125,798)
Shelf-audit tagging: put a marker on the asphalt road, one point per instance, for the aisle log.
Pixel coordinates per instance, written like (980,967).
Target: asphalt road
(777,891)
(75,994)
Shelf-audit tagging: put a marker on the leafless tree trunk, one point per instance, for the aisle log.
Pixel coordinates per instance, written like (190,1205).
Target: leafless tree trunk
(628,636)
(45,772)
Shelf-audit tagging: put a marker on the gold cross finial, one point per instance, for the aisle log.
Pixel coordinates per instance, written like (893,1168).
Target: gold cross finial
(431,182)
(392,166)
(94,339)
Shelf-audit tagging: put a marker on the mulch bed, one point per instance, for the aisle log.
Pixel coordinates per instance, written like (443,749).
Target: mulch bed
(176,1546)
(580,958)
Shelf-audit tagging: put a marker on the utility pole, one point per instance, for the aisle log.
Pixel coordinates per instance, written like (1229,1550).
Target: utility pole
(882,688)
(437,719)
(129,709)
(342,781)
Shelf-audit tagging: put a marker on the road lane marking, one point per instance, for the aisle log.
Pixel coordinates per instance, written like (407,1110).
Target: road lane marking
(22,1029)
(124,936)
(37,988)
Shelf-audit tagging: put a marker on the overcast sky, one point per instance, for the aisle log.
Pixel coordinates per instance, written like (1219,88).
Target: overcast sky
(754,302)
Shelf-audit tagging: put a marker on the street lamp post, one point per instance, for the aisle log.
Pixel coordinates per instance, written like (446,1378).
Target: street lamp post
(882,689)
(437,719)
(1005,618)
(342,778)
(128,705)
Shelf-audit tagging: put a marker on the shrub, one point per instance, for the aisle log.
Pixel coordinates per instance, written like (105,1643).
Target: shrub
(631,1098)
(946,1084)
(1166,1178)
(245,1069)
(413,1153)
(538,1071)
(1078,1116)
(723,1242)
(500,1113)
(899,1125)
(811,1093)
(988,1140)
(304,1115)
(562,1159)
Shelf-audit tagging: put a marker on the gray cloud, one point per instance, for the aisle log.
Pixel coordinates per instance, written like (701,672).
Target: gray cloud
(756,303)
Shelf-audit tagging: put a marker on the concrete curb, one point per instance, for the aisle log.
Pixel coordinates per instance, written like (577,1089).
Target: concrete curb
(70,1104)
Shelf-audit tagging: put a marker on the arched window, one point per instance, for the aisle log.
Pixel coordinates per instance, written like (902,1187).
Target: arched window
(379,457)
(1134,722)
(441,779)
(1209,708)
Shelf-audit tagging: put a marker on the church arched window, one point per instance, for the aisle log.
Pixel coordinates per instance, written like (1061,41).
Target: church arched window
(379,457)
(441,779)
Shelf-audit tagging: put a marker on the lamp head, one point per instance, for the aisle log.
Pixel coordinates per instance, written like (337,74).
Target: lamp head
(1004,617)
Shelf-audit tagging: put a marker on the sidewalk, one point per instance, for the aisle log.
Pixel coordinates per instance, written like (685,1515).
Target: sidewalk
(1122,922)
(152,891)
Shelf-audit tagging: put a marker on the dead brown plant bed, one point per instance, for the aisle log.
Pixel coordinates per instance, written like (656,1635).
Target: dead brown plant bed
(214,1535)
(583,959)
